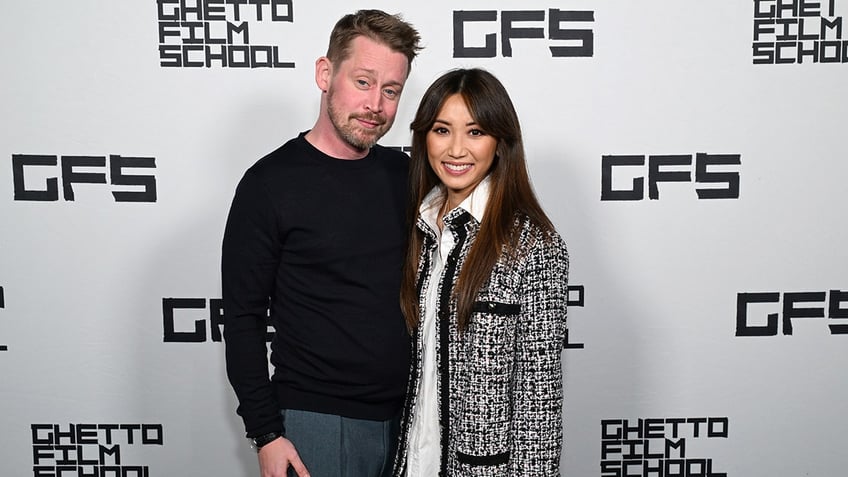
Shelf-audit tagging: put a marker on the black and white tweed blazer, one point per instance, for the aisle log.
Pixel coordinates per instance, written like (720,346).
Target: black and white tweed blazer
(499,382)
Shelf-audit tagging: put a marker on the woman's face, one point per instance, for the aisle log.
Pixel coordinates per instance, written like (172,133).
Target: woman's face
(459,152)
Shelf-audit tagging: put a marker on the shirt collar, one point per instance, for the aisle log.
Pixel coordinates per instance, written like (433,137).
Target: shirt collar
(474,204)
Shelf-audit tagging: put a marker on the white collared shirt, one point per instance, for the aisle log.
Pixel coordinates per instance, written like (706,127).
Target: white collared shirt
(424,454)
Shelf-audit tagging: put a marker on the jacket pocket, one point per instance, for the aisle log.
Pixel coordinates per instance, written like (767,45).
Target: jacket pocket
(482,460)
(496,308)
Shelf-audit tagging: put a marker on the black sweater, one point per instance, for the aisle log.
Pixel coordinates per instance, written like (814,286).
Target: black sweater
(320,241)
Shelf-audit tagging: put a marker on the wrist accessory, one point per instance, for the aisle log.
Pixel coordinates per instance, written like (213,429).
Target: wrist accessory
(259,441)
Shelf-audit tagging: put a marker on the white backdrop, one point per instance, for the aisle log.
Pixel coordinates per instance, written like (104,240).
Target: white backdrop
(100,368)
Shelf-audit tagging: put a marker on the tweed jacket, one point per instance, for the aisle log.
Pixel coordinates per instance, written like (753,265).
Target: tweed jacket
(500,381)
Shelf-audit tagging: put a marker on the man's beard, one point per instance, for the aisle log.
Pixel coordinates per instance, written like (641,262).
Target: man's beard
(351,132)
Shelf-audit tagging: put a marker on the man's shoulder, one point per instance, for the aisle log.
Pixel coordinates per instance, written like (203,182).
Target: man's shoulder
(392,157)
(395,152)
(280,158)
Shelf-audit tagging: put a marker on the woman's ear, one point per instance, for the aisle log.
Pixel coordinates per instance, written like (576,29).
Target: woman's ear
(499,150)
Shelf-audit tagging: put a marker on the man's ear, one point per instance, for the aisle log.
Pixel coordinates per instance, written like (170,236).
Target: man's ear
(323,73)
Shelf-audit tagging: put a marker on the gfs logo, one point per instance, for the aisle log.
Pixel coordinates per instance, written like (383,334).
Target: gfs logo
(774,313)
(195,320)
(576,297)
(37,177)
(3,305)
(632,170)
(568,33)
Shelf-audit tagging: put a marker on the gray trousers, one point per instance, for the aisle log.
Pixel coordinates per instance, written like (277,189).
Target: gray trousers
(335,446)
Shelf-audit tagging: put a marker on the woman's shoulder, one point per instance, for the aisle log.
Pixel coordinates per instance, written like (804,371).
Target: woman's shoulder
(535,234)
(537,245)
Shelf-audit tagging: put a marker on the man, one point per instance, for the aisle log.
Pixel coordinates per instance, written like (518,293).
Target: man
(316,234)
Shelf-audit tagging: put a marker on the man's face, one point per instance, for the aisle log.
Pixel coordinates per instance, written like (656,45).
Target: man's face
(364,90)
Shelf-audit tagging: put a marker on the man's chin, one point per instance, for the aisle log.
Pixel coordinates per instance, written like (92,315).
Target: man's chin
(365,141)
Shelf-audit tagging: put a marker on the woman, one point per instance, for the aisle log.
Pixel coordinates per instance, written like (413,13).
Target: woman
(483,293)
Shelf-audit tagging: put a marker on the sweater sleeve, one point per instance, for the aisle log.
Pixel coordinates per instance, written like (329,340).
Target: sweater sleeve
(538,393)
(249,260)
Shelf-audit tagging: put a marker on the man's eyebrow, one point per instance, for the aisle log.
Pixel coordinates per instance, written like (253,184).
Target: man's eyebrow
(374,73)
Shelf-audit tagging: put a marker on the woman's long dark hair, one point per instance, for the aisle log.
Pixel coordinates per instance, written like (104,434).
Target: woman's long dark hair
(511,194)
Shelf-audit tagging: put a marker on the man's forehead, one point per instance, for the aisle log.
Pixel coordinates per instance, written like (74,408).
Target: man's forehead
(388,69)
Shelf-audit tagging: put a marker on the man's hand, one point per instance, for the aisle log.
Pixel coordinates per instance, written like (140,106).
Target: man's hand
(276,456)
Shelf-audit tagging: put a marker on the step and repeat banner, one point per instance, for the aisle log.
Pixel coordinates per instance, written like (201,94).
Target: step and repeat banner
(691,153)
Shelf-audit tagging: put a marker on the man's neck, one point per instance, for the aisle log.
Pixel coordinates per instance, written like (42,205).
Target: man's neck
(327,140)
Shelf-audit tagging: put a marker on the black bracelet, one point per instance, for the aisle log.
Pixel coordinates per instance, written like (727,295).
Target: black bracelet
(260,441)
